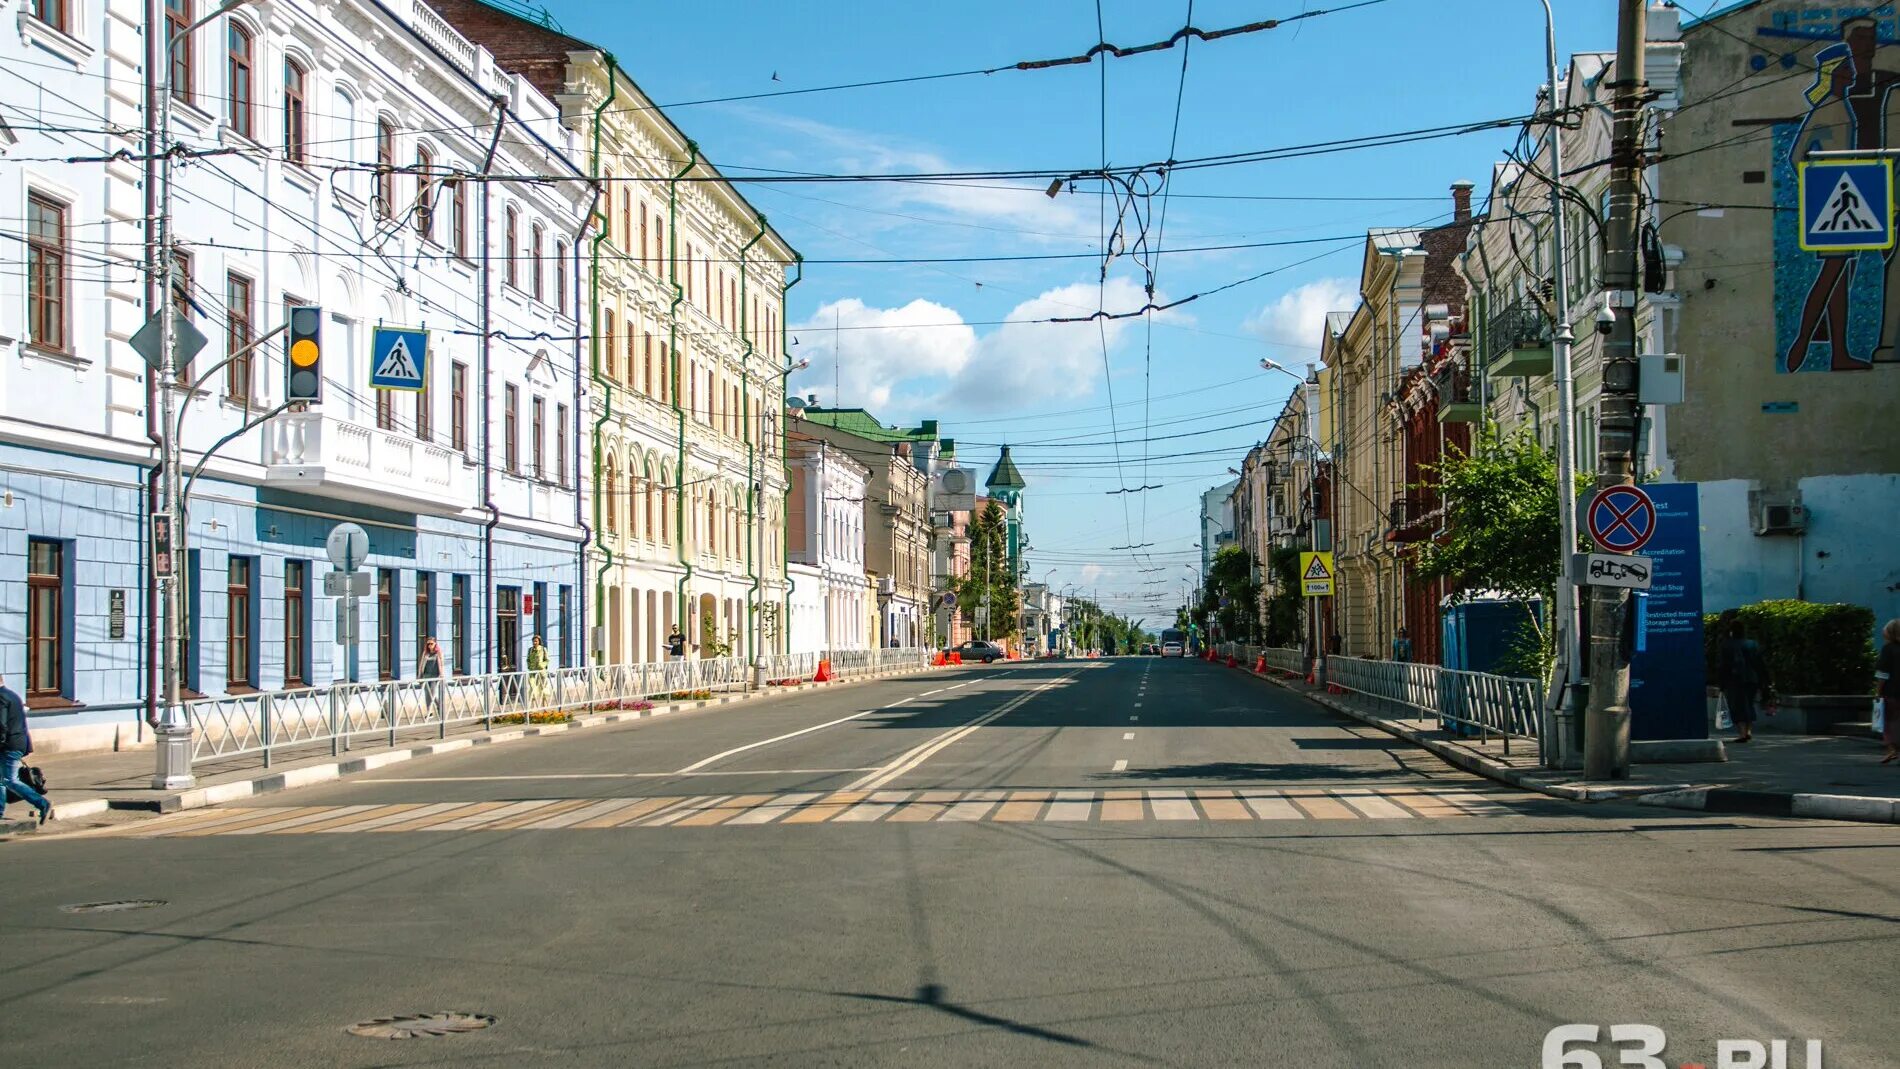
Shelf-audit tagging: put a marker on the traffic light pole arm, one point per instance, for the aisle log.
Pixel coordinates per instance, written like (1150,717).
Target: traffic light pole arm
(179,421)
(184,496)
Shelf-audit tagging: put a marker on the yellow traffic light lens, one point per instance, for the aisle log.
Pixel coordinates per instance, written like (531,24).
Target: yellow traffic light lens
(303,352)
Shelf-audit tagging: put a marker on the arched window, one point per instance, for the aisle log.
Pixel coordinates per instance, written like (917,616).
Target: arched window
(647,503)
(534,260)
(560,277)
(666,507)
(240,90)
(511,231)
(425,200)
(178,15)
(610,491)
(607,341)
(296,132)
(629,370)
(634,491)
(458,217)
(385,168)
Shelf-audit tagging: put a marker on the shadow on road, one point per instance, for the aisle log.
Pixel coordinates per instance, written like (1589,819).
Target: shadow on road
(1237,771)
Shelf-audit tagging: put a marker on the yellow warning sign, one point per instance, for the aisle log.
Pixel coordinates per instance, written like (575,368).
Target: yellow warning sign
(1316,575)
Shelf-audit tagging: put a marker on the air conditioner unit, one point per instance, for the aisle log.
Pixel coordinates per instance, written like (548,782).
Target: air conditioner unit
(886,585)
(1776,513)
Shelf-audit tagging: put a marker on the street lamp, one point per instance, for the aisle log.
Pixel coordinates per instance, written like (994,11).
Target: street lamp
(173,730)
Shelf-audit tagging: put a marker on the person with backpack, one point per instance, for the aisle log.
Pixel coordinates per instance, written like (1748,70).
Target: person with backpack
(15,744)
(1743,676)
(1887,673)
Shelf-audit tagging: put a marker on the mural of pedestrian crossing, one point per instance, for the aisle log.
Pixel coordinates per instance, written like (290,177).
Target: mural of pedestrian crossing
(844,807)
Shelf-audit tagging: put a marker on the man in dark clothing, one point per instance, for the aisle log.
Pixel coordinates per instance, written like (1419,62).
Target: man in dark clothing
(15,744)
(676,645)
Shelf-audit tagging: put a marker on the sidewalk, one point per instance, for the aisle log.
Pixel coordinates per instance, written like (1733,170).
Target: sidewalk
(1822,776)
(88,784)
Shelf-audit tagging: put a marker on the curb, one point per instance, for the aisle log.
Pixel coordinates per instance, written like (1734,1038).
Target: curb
(1667,795)
(310,775)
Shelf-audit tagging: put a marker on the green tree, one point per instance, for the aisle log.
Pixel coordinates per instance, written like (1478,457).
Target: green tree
(990,574)
(1501,533)
(1231,594)
(1286,606)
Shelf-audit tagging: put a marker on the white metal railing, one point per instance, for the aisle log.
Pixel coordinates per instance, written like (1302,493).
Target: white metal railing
(344,713)
(1284,659)
(1488,704)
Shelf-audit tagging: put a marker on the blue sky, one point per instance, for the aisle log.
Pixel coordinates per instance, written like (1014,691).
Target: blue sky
(927,340)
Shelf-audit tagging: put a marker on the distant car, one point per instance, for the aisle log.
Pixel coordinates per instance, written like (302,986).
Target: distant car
(978,650)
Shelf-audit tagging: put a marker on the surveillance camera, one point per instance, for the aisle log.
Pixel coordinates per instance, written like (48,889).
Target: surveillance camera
(1606,320)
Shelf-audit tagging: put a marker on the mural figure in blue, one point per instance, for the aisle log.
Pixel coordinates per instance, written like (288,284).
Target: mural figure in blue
(1847,109)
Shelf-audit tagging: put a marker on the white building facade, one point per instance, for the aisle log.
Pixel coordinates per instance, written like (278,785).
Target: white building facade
(825,532)
(326,156)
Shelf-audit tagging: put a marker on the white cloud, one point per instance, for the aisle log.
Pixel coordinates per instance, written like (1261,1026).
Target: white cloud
(1297,319)
(872,351)
(1092,573)
(922,354)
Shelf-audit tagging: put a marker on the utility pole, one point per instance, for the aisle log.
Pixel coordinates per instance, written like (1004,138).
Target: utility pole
(1606,743)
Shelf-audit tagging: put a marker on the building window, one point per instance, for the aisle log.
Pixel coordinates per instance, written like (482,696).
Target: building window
(296,132)
(607,341)
(237,621)
(560,277)
(534,260)
(45,618)
(46,293)
(567,626)
(296,580)
(645,249)
(458,622)
(385,168)
(52,12)
(386,624)
(238,316)
(560,445)
(537,426)
(458,407)
(507,627)
(425,204)
(425,598)
(425,412)
(177,17)
(510,417)
(240,93)
(511,238)
(458,216)
(610,490)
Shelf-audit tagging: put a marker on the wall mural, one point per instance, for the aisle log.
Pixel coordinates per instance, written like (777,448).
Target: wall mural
(1834,311)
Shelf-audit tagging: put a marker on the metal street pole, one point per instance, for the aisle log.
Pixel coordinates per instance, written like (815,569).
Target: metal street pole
(1561,731)
(173,730)
(1606,745)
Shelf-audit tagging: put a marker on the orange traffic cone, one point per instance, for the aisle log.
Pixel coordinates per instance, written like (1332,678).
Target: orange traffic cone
(955,657)
(940,660)
(823,675)
(1260,664)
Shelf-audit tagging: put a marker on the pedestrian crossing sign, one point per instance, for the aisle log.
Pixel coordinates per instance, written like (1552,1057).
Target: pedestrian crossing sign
(398,358)
(1316,575)
(1846,205)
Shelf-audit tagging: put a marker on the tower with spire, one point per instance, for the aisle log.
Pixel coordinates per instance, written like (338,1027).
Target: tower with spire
(1005,486)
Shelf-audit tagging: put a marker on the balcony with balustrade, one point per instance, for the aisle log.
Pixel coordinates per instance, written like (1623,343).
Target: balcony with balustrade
(319,453)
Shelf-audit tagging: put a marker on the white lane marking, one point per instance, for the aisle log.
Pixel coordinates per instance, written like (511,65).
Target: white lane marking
(877,807)
(392,818)
(1137,705)
(1369,805)
(1071,805)
(620,775)
(1133,718)
(917,755)
(1172,805)
(1128,736)
(1120,766)
(704,761)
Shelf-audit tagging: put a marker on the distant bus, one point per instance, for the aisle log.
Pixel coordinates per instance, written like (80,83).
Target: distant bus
(1173,643)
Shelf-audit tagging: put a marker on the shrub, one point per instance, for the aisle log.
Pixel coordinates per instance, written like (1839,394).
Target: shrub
(1810,648)
(633,704)
(689,695)
(547,716)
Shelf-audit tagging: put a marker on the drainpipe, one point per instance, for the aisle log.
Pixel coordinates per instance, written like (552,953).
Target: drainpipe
(580,519)
(150,647)
(488,343)
(785,547)
(601,382)
(673,345)
(751,456)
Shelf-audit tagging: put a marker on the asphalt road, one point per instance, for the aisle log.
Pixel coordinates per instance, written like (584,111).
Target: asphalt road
(1122,862)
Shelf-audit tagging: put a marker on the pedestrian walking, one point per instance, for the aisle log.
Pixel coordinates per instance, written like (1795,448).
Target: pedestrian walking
(676,645)
(429,670)
(1743,676)
(537,670)
(1402,646)
(1887,673)
(15,744)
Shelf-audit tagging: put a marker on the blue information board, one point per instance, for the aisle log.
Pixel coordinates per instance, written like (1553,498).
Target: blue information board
(1667,676)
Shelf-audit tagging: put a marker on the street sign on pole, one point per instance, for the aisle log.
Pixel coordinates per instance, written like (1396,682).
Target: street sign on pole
(1316,575)
(346,584)
(347,545)
(148,342)
(1624,570)
(346,628)
(398,358)
(1846,205)
(1622,519)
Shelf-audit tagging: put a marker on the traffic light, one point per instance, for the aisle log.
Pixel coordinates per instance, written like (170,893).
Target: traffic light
(303,375)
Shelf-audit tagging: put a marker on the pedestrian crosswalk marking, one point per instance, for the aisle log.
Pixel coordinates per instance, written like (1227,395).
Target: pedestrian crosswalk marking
(1117,805)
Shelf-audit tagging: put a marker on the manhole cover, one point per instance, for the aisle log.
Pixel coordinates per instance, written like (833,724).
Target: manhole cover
(120,906)
(419,1025)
